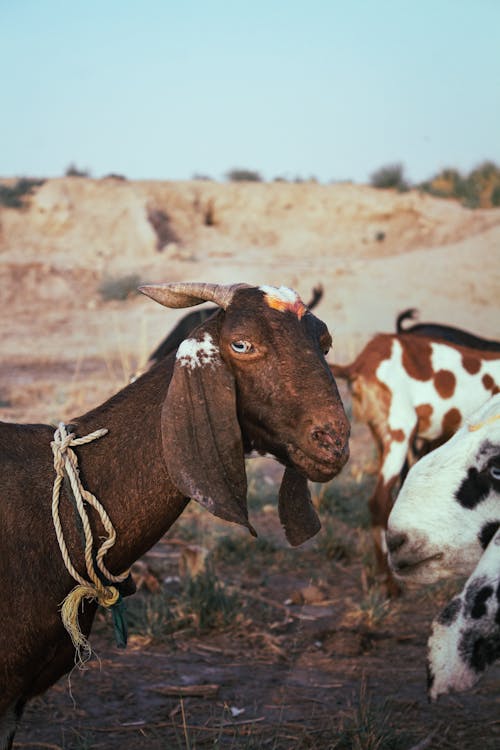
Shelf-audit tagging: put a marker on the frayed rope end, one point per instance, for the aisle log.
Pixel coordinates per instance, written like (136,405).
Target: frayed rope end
(69,616)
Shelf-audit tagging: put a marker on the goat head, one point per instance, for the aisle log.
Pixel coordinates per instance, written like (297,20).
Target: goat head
(253,377)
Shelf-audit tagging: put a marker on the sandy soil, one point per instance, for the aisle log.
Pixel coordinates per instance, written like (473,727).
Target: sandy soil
(298,672)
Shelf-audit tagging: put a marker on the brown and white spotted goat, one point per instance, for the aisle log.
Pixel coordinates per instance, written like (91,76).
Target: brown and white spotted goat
(446,523)
(413,390)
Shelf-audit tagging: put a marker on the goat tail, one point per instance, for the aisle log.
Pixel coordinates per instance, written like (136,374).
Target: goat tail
(69,616)
(341,371)
(410,314)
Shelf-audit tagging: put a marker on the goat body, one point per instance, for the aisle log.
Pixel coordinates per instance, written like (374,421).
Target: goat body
(444,332)
(253,377)
(409,388)
(453,530)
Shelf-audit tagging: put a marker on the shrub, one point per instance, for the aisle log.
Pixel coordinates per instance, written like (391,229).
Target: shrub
(120,288)
(73,171)
(390,176)
(480,188)
(13,196)
(150,615)
(160,221)
(345,500)
(205,602)
(337,541)
(243,175)
(365,726)
(495,196)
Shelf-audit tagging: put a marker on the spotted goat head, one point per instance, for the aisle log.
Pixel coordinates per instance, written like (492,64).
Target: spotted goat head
(446,523)
(252,378)
(465,637)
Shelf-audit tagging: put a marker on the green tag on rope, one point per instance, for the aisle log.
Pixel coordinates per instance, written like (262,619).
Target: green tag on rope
(120,623)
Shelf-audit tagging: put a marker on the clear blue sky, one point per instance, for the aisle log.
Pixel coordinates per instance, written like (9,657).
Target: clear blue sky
(326,88)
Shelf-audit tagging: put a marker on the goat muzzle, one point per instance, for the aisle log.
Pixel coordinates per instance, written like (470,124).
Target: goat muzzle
(324,453)
(330,443)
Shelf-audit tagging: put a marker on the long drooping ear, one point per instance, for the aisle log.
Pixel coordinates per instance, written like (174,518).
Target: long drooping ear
(296,511)
(201,435)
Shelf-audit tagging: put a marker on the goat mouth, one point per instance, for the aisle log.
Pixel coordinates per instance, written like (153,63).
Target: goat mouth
(316,468)
(407,568)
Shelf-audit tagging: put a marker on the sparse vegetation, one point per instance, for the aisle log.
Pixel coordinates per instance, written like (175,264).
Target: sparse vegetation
(150,615)
(240,174)
(73,171)
(206,603)
(119,288)
(479,189)
(161,223)
(202,177)
(200,604)
(14,196)
(115,176)
(391,177)
(367,727)
(372,609)
(232,549)
(345,499)
(337,541)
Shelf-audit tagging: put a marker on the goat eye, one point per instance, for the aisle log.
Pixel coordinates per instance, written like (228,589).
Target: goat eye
(495,471)
(241,347)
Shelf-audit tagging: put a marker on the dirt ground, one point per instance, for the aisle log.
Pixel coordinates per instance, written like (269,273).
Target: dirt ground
(310,654)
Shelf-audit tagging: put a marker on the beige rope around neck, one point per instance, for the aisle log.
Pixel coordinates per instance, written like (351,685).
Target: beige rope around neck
(65,461)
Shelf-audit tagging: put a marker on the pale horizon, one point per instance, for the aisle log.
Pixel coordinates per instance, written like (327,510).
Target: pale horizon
(323,90)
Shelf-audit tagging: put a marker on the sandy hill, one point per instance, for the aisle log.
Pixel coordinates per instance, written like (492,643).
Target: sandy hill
(376,252)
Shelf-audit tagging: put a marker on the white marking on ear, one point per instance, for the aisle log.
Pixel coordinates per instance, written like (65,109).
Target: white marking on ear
(193,353)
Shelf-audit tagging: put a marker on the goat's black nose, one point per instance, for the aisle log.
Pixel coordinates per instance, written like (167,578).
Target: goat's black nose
(395,540)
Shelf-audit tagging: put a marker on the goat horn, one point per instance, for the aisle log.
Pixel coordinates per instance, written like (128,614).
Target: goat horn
(185,294)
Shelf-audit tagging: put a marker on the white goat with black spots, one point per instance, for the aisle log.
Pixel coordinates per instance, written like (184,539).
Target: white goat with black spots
(446,522)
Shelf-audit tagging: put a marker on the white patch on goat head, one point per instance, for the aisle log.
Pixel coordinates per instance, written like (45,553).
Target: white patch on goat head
(282,298)
(282,293)
(193,353)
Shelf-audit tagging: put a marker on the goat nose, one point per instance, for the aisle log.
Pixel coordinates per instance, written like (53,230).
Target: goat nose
(395,540)
(328,440)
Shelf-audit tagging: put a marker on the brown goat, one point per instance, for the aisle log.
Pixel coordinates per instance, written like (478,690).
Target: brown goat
(411,389)
(253,377)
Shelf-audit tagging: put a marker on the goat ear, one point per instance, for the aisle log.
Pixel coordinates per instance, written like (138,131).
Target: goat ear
(296,511)
(201,435)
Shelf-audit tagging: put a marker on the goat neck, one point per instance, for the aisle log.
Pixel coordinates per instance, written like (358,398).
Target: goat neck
(126,469)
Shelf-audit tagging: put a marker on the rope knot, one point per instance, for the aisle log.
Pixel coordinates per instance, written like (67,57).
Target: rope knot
(110,597)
